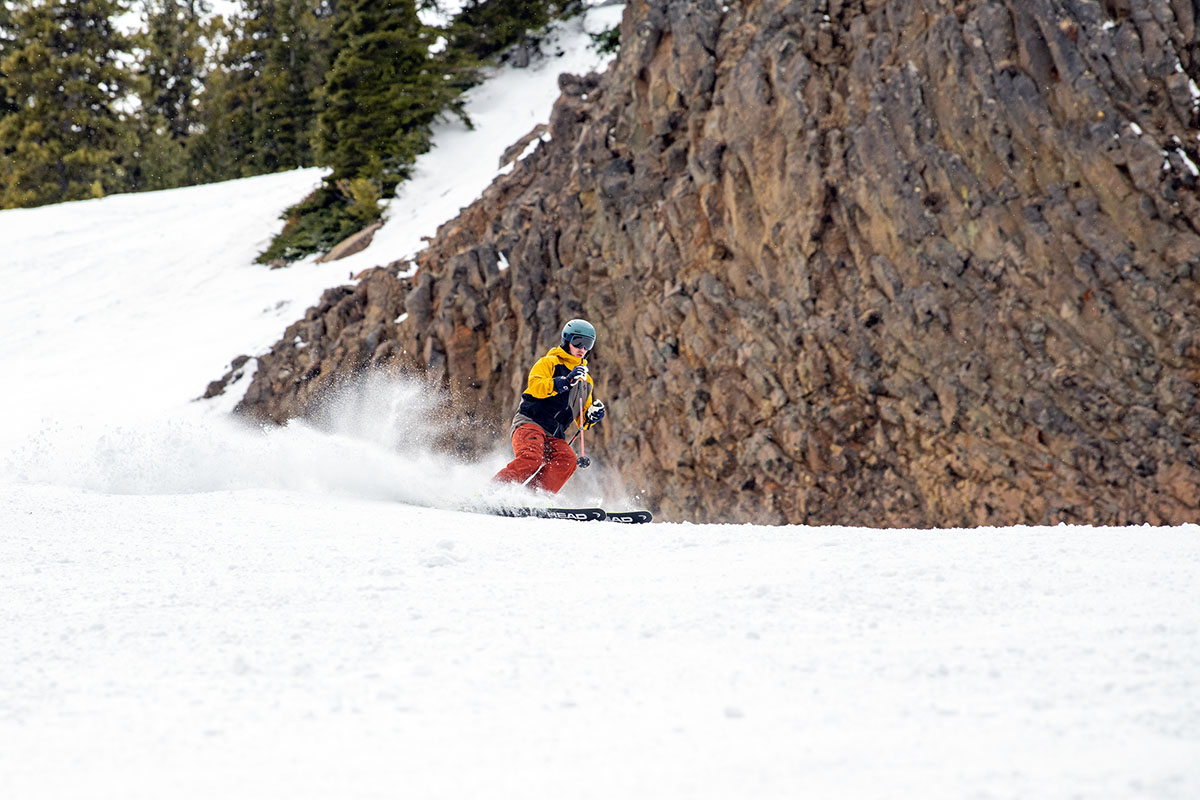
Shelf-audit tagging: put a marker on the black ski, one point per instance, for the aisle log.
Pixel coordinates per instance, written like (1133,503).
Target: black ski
(631,517)
(578,514)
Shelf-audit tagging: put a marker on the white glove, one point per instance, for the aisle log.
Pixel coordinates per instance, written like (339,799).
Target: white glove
(578,374)
(595,412)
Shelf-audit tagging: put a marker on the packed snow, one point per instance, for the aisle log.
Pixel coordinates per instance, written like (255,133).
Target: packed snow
(195,607)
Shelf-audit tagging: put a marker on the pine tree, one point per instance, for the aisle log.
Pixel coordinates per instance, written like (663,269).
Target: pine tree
(226,146)
(292,71)
(172,73)
(66,140)
(258,112)
(174,62)
(7,39)
(381,94)
(486,27)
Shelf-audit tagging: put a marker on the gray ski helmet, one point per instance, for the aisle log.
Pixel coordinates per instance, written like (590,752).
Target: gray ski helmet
(580,333)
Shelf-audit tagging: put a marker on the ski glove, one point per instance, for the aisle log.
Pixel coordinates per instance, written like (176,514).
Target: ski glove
(595,413)
(564,382)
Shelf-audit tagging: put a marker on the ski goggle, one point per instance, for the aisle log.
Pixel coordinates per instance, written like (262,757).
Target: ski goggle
(586,342)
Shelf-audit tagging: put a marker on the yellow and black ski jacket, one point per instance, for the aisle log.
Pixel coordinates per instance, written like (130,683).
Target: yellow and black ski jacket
(541,406)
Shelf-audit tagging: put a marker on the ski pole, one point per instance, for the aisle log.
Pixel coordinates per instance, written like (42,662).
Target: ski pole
(531,477)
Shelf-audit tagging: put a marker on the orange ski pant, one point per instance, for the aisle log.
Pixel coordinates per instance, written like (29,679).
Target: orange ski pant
(549,460)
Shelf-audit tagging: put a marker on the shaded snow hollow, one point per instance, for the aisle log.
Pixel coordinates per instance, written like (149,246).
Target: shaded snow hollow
(193,608)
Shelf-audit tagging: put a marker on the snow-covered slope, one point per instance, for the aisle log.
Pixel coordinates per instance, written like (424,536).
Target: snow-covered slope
(192,608)
(267,644)
(130,304)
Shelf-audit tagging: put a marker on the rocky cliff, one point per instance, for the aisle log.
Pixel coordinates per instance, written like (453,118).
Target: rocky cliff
(870,262)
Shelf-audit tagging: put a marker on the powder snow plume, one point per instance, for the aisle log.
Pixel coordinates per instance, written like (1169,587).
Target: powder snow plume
(374,438)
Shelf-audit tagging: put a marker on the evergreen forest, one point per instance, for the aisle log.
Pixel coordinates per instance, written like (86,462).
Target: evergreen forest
(105,96)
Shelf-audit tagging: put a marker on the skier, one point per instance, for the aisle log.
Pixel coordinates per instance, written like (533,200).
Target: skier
(559,387)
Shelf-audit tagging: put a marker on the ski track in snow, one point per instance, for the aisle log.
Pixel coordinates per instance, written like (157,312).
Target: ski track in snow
(194,607)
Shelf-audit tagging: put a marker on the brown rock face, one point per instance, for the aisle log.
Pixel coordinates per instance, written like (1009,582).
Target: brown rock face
(885,262)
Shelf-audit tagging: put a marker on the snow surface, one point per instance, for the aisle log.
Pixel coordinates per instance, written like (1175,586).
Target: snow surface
(194,608)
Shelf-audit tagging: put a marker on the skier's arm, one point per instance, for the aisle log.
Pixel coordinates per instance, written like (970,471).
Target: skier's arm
(541,378)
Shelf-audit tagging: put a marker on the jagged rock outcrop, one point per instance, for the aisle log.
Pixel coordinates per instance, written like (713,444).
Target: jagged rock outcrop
(874,262)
